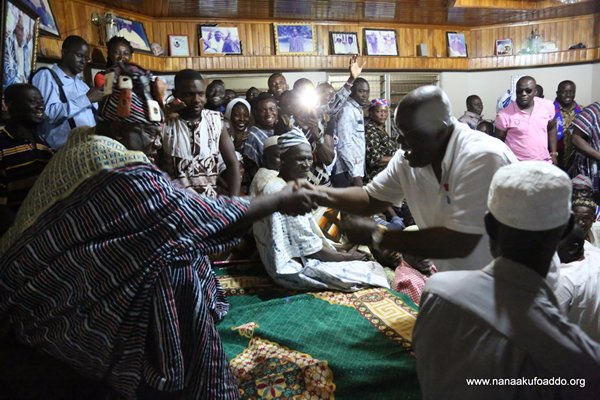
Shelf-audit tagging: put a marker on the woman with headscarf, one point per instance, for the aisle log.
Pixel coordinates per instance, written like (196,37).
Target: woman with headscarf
(238,114)
(379,145)
(106,267)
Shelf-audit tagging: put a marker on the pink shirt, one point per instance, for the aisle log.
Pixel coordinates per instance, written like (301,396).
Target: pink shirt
(527,135)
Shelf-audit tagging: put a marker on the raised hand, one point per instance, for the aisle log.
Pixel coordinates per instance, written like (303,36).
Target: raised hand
(355,68)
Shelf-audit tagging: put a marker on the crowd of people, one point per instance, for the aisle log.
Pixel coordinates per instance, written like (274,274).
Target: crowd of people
(113,199)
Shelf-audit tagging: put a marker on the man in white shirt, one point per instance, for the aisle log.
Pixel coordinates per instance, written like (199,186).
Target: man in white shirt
(578,291)
(502,323)
(443,171)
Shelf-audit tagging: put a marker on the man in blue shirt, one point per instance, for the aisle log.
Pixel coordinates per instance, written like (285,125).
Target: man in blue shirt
(76,107)
(350,129)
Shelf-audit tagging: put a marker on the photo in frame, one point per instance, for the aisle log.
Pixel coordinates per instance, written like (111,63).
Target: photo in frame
(179,46)
(131,30)
(380,42)
(218,40)
(343,43)
(504,47)
(20,29)
(457,44)
(47,21)
(295,39)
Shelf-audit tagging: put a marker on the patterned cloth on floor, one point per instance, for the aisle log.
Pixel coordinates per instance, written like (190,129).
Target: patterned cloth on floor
(283,344)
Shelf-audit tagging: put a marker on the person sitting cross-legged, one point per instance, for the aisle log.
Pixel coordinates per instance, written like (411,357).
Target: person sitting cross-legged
(293,251)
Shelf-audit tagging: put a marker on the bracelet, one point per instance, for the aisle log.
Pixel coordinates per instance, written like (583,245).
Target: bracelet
(554,153)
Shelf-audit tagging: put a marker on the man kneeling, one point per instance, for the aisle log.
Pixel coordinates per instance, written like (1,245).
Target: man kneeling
(294,252)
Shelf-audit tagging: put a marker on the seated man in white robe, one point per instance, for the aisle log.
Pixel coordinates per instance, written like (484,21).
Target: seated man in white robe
(294,252)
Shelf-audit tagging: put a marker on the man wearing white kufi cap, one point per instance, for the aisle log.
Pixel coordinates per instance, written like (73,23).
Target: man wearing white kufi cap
(502,322)
(293,250)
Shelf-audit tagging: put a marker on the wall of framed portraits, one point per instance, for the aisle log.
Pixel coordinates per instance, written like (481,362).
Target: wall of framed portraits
(264,45)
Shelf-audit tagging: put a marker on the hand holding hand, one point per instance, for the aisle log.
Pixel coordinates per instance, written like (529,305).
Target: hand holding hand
(297,201)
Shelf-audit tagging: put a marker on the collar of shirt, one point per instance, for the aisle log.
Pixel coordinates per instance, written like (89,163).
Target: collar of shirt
(63,75)
(354,103)
(519,276)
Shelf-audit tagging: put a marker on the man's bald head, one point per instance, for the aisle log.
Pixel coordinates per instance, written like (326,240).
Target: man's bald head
(424,105)
(423,119)
(526,78)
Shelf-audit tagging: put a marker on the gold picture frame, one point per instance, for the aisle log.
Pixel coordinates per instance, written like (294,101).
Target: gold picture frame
(295,39)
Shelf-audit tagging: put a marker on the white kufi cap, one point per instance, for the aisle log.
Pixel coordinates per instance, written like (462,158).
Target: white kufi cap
(530,196)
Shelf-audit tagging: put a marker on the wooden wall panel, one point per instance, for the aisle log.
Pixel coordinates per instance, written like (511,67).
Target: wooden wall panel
(73,18)
(564,33)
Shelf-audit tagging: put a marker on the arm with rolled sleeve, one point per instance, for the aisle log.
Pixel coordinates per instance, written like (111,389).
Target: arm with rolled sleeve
(56,110)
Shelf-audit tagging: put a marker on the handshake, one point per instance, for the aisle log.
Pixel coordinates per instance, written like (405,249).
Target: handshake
(300,197)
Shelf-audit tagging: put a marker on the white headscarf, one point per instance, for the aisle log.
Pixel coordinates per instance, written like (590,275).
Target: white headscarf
(233,103)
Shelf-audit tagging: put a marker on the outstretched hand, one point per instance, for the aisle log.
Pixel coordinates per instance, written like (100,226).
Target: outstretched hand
(294,200)
(355,68)
(358,230)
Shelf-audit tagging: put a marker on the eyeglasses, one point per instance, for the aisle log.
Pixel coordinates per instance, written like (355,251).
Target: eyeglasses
(526,90)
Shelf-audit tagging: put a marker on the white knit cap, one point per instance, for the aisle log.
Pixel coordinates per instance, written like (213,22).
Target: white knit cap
(530,196)
(271,141)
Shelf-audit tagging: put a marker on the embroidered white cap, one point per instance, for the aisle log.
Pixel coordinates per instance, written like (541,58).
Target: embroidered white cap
(531,196)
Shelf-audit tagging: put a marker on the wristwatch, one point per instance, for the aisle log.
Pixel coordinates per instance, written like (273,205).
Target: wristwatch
(377,236)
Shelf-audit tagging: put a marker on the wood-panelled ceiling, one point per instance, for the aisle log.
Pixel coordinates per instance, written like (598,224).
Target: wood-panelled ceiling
(426,12)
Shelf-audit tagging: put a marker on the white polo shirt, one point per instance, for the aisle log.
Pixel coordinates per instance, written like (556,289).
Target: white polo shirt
(459,201)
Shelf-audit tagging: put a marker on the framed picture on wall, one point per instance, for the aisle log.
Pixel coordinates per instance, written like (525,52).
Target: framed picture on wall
(457,45)
(131,30)
(179,46)
(343,43)
(295,39)
(43,10)
(218,40)
(380,42)
(19,47)
(504,47)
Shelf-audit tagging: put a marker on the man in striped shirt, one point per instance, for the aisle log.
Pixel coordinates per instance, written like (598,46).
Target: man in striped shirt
(23,153)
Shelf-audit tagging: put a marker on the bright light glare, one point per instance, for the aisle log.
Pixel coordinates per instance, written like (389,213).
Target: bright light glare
(309,98)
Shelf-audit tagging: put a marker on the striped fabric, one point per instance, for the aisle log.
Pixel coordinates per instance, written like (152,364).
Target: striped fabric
(253,148)
(115,281)
(21,162)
